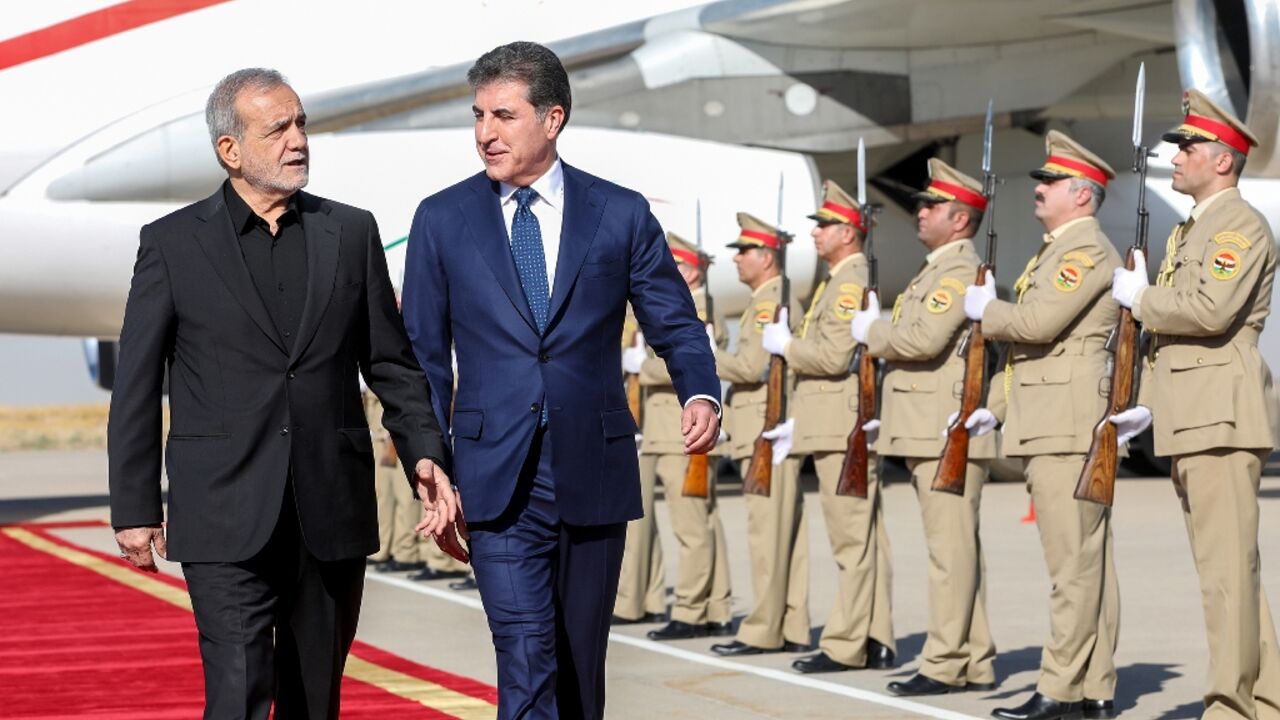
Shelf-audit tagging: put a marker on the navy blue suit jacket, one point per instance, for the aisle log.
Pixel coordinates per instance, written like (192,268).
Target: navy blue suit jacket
(461,288)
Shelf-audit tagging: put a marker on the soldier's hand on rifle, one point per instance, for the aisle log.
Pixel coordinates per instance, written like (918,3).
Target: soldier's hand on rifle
(777,335)
(979,423)
(781,435)
(860,325)
(872,429)
(978,297)
(1127,284)
(711,338)
(633,357)
(1130,423)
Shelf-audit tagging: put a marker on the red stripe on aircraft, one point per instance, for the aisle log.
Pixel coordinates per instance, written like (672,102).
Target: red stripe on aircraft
(93,26)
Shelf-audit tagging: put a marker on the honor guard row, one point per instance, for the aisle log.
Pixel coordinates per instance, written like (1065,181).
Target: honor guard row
(1202,381)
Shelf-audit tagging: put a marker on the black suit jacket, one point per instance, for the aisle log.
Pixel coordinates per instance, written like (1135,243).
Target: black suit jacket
(244,413)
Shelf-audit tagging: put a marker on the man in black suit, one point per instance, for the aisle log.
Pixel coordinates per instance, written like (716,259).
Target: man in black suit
(263,303)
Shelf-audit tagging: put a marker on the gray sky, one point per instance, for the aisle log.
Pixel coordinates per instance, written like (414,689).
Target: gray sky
(45,371)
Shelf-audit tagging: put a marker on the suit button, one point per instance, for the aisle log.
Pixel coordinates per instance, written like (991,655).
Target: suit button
(284,430)
(291,375)
(533,408)
(544,358)
(1199,361)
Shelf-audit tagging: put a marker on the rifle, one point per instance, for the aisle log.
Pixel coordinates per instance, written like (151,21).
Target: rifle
(696,474)
(853,471)
(759,479)
(633,382)
(955,453)
(1098,476)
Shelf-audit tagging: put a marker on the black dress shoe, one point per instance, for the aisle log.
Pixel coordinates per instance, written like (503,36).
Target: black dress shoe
(715,629)
(819,663)
(397,566)
(737,647)
(1040,707)
(922,685)
(645,618)
(980,687)
(427,573)
(1099,709)
(879,657)
(467,583)
(677,630)
(373,563)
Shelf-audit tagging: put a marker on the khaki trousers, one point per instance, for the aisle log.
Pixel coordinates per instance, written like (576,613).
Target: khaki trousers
(703,592)
(1220,505)
(398,513)
(959,648)
(863,606)
(779,546)
(642,584)
(1084,601)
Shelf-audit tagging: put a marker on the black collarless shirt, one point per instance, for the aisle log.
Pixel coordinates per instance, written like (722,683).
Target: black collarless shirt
(277,263)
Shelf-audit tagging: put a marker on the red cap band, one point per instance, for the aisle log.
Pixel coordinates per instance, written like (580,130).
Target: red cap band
(768,239)
(1089,171)
(848,213)
(687,257)
(963,194)
(1227,134)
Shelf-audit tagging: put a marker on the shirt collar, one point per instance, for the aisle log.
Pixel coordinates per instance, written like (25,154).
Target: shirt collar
(243,218)
(1198,210)
(845,261)
(550,187)
(1064,227)
(940,251)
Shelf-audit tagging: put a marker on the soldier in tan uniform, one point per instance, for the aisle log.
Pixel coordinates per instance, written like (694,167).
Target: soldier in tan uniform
(642,584)
(398,511)
(923,370)
(1051,397)
(1211,394)
(859,632)
(703,599)
(776,534)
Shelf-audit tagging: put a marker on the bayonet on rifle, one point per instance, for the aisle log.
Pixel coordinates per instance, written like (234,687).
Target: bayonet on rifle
(854,470)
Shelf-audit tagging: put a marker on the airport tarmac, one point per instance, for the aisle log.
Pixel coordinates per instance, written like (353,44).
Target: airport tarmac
(1161,658)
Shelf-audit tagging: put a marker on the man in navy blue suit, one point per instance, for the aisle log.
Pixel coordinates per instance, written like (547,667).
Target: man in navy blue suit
(525,270)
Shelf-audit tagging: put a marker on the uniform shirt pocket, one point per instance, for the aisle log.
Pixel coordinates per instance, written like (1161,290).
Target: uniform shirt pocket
(1203,385)
(1044,398)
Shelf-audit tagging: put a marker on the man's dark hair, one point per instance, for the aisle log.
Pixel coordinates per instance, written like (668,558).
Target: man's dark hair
(974,214)
(534,65)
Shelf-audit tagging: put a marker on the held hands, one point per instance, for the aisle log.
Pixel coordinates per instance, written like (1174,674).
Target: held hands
(1126,284)
(777,335)
(782,435)
(978,297)
(980,422)
(135,546)
(1130,423)
(633,357)
(441,510)
(700,426)
(862,320)
(872,429)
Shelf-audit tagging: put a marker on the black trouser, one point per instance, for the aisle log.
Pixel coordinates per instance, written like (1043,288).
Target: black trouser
(276,626)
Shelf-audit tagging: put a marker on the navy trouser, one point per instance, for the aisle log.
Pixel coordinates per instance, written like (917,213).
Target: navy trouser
(548,590)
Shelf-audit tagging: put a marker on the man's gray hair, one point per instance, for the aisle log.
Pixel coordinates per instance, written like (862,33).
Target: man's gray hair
(534,65)
(220,111)
(1098,196)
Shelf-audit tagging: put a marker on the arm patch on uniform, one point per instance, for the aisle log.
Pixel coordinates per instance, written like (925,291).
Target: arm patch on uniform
(939,302)
(1233,238)
(1068,278)
(765,313)
(845,306)
(851,288)
(953,284)
(1225,264)
(1084,259)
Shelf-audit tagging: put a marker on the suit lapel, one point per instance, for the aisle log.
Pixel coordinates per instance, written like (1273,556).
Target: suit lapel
(583,208)
(217,239)
(322,233)
(483,217)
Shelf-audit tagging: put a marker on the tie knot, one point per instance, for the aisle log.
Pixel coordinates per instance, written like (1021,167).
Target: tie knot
(525,195)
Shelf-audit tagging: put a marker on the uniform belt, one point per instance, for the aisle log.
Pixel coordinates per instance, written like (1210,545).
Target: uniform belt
(1073,347)
(1245,335)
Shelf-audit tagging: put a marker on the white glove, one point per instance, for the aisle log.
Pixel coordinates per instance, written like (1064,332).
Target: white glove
(978,297)
(872,429)
(722,438)
(1130,423)
(781,436)
(980,422)
(634,356)
(711,337)
(777,335)
(1126,284)
(860,325)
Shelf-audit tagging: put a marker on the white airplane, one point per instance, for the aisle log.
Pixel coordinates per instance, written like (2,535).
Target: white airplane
(683,101)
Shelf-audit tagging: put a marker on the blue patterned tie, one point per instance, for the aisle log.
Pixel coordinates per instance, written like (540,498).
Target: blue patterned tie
(531,264)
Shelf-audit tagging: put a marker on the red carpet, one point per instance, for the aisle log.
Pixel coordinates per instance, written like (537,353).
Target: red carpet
(75,643)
